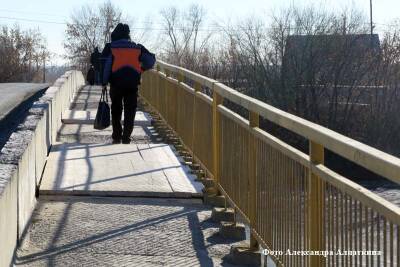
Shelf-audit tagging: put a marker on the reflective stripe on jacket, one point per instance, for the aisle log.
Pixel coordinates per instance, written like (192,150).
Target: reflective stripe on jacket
(126,57)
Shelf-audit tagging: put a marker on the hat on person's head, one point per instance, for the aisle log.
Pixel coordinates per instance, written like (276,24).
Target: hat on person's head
(126,29)
(121,31)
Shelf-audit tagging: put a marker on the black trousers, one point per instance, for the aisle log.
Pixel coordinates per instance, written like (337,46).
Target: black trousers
(123,99)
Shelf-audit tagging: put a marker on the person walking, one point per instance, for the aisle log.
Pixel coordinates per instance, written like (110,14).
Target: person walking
(124,64)
(95,61)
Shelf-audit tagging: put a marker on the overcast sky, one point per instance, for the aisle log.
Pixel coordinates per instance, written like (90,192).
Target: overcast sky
(50,15)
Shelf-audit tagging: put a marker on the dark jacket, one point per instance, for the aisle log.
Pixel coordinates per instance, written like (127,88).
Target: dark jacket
(95,59)
(125,61)
(103,58)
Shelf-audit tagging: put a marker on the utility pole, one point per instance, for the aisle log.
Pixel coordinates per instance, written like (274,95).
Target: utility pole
(372,26)
(44,67)
(370,14)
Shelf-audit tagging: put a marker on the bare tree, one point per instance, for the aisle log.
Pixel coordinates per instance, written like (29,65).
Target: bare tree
(110,15)
(170,18)
(89,28)
(187,44)
(22,54)
(142,32)
(320,65)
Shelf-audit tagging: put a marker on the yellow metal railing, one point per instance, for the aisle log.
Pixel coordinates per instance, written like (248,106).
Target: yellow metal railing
(291,200)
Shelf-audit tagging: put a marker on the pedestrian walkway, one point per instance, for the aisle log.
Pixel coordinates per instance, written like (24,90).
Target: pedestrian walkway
(95,167)
(91,231)
(118,205)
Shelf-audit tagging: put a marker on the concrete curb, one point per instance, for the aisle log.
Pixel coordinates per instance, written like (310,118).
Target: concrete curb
(23,157)
(121,193)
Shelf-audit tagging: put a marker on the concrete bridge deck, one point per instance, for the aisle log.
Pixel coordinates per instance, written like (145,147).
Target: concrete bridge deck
(118,205)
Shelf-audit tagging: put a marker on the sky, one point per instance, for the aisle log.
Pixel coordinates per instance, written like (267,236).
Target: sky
(49,16)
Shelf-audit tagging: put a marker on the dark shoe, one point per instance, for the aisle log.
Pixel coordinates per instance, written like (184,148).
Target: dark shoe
(126,141)
(116,141)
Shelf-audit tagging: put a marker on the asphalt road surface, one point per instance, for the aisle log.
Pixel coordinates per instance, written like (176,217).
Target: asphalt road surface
(15,101)
(13,94)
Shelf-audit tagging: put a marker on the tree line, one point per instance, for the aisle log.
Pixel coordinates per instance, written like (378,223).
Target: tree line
(22,55)
(318,64)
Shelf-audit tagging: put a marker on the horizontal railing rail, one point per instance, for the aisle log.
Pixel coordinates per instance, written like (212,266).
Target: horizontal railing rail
(291,200)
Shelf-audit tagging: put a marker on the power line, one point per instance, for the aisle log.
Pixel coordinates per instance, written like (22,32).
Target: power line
(34,13)
(34,20)
(210,30)
(132,28)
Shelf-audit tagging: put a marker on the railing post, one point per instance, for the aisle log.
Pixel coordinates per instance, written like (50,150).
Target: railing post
(167,97)
(174,101)
(158,90)
(181,77)
(197,88)
(254,122)
(217,100)
(315,207)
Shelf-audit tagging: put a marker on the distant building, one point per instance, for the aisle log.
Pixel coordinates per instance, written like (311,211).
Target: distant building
(330,59)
